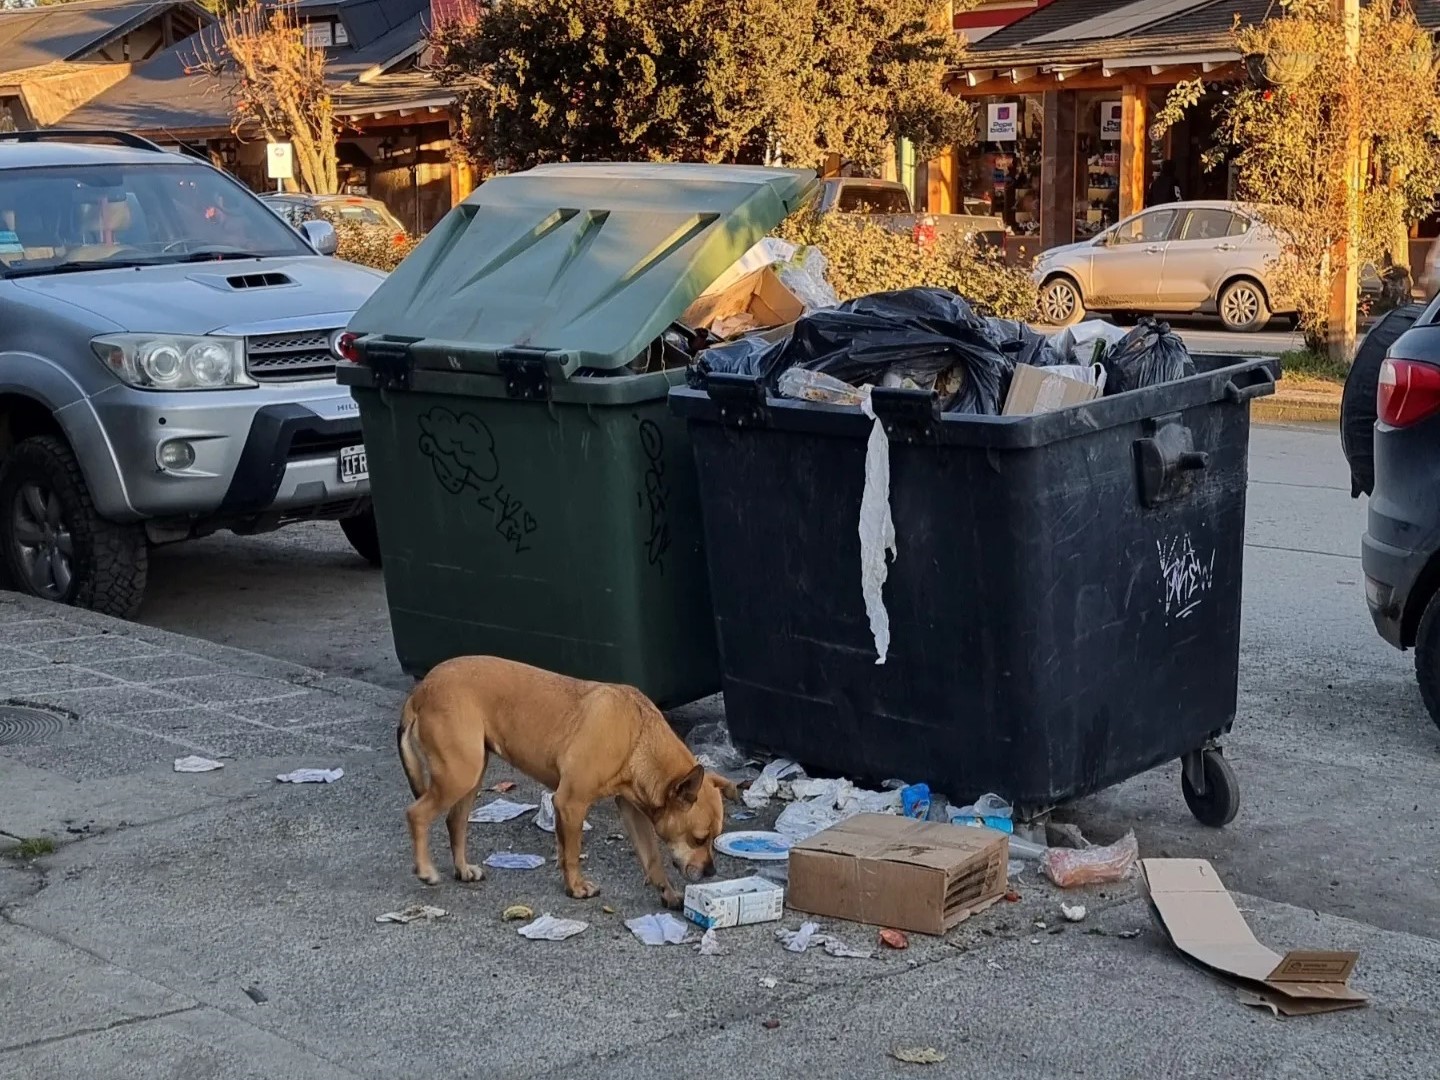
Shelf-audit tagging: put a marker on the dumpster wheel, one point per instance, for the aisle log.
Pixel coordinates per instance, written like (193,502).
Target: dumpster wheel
(1214,794)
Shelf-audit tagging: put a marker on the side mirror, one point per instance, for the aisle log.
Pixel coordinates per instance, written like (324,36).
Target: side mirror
(1103,240)
(321,235)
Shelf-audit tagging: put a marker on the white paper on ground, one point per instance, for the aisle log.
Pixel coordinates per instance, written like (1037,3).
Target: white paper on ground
(545,819)
(709,944)
(197,764)
(549,928)
(659,929)
(412,913)
(798,941)
(311,776)
(877,532)
(511,860)
(498,810)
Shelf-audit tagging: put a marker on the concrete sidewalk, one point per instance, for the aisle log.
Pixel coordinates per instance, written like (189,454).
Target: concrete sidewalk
(129,950)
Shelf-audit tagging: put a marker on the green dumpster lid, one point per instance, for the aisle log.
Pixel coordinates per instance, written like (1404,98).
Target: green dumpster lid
(584,263)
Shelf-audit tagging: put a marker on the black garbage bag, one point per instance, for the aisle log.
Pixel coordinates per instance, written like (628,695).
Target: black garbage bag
(1022,343)
(750,355)
(920,334)
(1150,354)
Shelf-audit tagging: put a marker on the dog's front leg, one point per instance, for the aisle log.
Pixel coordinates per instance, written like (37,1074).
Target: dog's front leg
(570,814)
(647,847)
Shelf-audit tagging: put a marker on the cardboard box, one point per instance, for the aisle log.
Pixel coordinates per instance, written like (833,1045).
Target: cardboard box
(734,903)
(1035,390)
(892,871)
(1200,918)
(761,295)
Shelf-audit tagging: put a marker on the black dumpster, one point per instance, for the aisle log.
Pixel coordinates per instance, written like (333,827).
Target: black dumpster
(1064,604)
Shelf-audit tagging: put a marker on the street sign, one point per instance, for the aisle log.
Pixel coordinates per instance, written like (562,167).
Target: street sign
(280,160)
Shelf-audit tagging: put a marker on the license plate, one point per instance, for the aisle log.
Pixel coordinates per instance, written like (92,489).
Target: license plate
(354,466)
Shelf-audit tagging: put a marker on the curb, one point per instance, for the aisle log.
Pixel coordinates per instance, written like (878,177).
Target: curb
(1287,410)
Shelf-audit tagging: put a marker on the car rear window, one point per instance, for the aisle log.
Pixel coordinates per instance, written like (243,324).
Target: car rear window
(864,199)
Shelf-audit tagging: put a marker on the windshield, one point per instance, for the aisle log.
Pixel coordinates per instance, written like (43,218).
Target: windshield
(868,199)
(57,219)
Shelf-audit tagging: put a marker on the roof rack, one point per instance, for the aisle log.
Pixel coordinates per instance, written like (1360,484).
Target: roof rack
(124,138)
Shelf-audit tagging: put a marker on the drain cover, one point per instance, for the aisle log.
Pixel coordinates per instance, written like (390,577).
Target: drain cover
(21,725)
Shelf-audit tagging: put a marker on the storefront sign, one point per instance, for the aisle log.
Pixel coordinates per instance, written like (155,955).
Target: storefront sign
(1002,125)
(1110,115)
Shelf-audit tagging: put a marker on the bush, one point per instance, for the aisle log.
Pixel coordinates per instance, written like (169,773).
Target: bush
(372,245)
(865,257)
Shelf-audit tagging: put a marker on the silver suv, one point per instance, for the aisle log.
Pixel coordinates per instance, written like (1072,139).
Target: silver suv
(167,357)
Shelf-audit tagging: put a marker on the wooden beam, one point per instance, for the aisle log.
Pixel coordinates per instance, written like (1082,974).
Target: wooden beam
(1023,74)
(975,78)
(1095,79)
(1057,168)
(1134,140)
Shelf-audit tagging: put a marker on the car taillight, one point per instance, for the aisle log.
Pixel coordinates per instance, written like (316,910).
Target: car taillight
(345,346)
(1409,392)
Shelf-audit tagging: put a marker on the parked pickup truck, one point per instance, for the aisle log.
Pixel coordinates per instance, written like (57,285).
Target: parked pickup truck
(889,201)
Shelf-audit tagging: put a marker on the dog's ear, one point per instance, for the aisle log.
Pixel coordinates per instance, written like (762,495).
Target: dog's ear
(687,789)
(727,787)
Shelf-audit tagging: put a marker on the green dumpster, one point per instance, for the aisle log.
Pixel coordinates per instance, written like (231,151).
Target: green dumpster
(533,495)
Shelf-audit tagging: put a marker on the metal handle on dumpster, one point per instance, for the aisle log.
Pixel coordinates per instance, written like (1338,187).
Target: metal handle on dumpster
(908,415)
(390,361)
(741,398)
(1248,385)
(1166,460)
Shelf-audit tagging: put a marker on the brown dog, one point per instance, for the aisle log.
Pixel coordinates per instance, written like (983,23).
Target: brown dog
(584,740)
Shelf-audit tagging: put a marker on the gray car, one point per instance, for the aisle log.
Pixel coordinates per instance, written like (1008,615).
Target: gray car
(167,357)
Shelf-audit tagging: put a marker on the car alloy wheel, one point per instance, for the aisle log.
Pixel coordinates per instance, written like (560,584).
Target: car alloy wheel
(44,546)
(1059,303)
(1241,305)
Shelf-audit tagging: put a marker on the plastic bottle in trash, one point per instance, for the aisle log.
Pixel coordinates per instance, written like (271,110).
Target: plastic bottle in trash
(989,810)
(915,801)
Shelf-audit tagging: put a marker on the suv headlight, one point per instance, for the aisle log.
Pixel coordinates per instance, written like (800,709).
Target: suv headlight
(174,361)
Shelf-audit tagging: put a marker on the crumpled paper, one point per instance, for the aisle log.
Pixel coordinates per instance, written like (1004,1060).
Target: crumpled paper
(770,783)
(513,860)
(797,941)
(709,944)
(548,928)
(194,763)
(412,913)
(877,532)
(659,929)
(498,810)
(311,776)
(545,819)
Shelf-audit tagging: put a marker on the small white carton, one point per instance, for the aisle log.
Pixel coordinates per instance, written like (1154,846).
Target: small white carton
(734,903)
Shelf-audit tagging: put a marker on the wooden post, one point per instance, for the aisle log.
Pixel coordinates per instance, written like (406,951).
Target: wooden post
(941,182)
(1134,143)
(462,172)
(1057,168)
(1345,280)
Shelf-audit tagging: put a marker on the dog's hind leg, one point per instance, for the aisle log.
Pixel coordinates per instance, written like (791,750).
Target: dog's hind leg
(451,792)
(458,822)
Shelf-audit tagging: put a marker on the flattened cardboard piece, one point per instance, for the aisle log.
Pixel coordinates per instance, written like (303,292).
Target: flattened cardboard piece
(1199,916)
(761,294)
(892,871)
(1034,390)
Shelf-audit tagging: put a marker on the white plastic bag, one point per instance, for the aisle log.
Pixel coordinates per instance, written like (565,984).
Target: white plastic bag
(877,532)
(1076,344)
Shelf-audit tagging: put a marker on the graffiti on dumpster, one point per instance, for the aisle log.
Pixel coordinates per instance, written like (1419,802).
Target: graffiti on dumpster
(461,450)
(1185,578)
(656,496)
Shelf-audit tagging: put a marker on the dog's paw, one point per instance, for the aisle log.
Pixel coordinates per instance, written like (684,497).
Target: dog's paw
(583,890)
(672,899)
(429,877)
(469,872)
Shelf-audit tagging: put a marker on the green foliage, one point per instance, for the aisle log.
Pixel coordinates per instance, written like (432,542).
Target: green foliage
(865,258)
(701,80)
(377,246)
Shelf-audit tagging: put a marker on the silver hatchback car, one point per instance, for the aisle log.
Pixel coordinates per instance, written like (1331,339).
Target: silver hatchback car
(1203,257)
(167,358)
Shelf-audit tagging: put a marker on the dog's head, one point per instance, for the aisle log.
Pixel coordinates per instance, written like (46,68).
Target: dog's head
(691,818)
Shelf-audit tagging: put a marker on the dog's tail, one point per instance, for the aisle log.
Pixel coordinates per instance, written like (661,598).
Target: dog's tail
(411,759)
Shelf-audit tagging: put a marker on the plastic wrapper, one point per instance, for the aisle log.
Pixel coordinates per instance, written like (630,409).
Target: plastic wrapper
(804,275)
(1071,867)
(920,334)
(805,385)
(1086,342)
(1148,355)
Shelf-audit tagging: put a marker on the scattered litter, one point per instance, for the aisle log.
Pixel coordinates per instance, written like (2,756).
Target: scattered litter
(797,941)
(894,939)
(915,801)
(770,1025)
(1015,869)
(545,819)
(510,860)
(606,909)
(989,810)
(877,532)
(742,815)
(767,785)
(1012,896)
(255,994)
(1068,835)
(835,947)
(917,1055)
(740,902)
(1021,848)
(661,929)
(1126,935)
(1039,924)
(504,786)
(412,913)
(311,776)
(497,810)
(1073,914)
(516,912)
(548,928)
(711,745)
(769,982)
(709,944)
(1201,920)
(194,763)
(756,846)
(1068,868)
(674,1014)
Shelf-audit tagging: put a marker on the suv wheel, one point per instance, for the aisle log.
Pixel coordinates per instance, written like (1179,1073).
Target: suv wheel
(1427,658)
(360,530)
(1060,302)
(1243,307)
(55,546)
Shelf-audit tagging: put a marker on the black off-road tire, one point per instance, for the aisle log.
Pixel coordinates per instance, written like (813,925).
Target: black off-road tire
(1427,658)
(111,561)
(1357,404)
(360,530)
